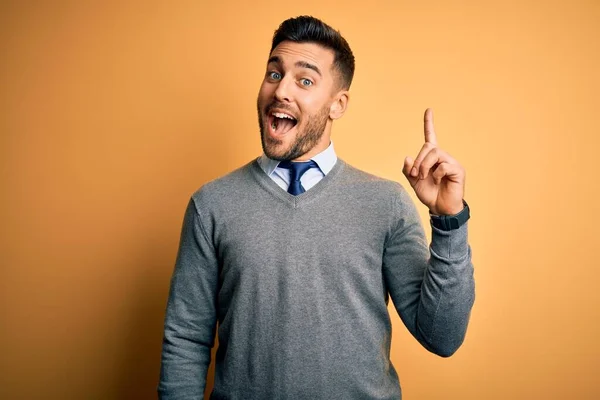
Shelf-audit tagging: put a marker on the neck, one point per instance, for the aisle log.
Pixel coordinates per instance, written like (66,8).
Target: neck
(321,146)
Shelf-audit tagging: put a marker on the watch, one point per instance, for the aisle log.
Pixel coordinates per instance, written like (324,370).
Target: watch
(450,222)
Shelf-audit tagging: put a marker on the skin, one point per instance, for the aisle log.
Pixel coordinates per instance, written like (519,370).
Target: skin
(292,85)
(314,98)
(437,179)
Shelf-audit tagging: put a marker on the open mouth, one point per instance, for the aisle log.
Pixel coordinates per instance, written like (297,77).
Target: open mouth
(281,123)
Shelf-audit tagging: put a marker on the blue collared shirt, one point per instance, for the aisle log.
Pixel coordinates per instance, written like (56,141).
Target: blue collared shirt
(325,160)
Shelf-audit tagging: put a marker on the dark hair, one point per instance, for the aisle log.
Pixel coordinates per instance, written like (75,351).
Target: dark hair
(309,29)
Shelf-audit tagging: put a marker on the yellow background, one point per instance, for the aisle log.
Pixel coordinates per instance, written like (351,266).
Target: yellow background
(111,115)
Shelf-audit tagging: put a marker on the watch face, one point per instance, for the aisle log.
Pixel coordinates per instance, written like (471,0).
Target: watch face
(453,223)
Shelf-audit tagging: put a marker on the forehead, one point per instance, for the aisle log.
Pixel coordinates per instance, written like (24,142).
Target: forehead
(291,52)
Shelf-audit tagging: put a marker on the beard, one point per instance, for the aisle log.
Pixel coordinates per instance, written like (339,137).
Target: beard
(306,138)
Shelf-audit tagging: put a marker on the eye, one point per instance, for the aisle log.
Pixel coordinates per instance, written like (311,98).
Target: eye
(274,75)
(306,82)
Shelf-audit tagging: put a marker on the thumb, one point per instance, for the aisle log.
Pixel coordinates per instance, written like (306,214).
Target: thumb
(408,164)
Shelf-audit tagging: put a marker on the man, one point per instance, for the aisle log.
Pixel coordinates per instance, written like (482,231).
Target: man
(295,253)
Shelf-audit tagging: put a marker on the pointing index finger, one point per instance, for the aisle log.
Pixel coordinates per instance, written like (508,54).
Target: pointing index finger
(429,131)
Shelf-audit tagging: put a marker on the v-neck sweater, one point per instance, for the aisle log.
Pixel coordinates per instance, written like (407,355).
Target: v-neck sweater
(298,287)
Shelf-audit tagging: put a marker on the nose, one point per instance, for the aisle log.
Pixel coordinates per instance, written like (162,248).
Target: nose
(283,93)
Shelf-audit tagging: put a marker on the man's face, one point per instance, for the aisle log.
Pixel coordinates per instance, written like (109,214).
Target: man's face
(295,101)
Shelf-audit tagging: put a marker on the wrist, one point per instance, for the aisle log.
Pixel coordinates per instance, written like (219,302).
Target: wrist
(448,211)
(447,222)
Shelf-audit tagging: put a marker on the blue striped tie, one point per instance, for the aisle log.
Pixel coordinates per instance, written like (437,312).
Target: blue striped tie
(297,169)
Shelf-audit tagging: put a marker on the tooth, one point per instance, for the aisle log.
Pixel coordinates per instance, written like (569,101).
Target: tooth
(282,115)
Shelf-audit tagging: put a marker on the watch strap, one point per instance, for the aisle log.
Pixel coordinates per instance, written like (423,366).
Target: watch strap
(450,222)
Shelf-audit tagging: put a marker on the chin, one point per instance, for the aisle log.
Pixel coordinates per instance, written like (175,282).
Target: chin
(276,153)
(273,148)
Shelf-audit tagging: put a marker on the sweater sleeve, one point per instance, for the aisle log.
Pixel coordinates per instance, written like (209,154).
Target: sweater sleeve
(432,287)
(190,319)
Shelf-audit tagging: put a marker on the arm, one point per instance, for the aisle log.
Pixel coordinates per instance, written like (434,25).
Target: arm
(432,287)
(191,314)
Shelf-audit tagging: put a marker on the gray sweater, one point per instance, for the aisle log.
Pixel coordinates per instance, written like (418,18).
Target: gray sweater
(299,286)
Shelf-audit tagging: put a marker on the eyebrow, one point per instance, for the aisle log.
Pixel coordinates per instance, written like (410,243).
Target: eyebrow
(299,64)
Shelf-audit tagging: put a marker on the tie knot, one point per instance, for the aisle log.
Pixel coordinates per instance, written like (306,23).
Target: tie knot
(297,169)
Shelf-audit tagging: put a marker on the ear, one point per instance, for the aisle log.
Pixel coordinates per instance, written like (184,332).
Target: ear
(339,105)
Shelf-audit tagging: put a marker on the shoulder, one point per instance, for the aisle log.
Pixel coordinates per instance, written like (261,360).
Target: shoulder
(379,196)
(226,187)
(372,184)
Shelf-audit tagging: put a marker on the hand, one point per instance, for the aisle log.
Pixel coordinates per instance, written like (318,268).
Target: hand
(437,179)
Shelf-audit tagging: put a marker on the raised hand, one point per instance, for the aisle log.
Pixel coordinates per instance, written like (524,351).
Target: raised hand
(437,179)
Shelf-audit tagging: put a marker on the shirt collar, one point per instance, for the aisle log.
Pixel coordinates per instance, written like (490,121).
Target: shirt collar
(325,160)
